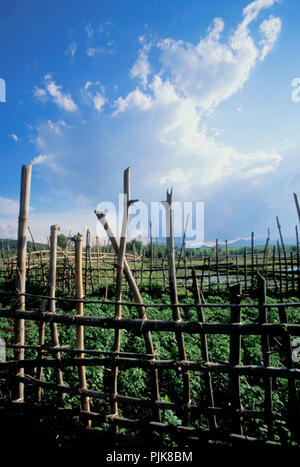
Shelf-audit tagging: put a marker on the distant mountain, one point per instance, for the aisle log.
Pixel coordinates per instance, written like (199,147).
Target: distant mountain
(13,244)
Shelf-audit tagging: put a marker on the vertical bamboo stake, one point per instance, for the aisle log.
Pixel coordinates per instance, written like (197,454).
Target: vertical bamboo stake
(265,266)
(120,267)
(245,268)
(217,262)
(19,333)
(235,355)
(151,254)
(85,401)
(298,259)
(98,259)
(252,260)
(39,369)
(168,204)
(263,318)
(280,272)
(142,269)
(202,274)
(284,255)
(199,299)
(52,305)
(293,272)
(273,268)
(163,270)
(209,274)
(237,269)
(227,276)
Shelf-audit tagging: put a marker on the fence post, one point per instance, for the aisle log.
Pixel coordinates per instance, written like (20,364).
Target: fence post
(85,401)
(199,299)
(235,355)
(265,344)
(168,204)
(19,331)
(52,303)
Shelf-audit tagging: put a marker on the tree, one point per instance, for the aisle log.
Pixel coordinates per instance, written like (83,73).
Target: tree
(62,241)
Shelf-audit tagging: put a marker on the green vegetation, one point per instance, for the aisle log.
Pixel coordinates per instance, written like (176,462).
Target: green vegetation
(135,381)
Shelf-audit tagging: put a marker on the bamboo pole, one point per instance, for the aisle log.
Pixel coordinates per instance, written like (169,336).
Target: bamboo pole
(265,344)
(217,262)
(227,275)
(252,260)
(98,259)
(85,401)
(120,267)
(19,332)
(168,204)
(151,254)
(52,303)
(39,369)
(297,205)
(199,299)
(141,310)
(284,255)
(280,272)
(235,355)
(298,259)
(245,268)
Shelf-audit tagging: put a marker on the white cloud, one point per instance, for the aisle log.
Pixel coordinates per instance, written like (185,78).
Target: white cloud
(40,94)
(71,50)
(14,137)
(135,99)
(89,30)
(93,51)
(39,160)
(141,68)
(212,71)
(97,98)
(270,28)
(63,101)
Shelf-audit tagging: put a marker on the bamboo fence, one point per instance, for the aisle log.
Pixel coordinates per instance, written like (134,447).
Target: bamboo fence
(226,423)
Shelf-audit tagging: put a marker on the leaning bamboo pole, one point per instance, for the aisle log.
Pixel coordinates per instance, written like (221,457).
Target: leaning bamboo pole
(19,332)
(142,311)
(168,204)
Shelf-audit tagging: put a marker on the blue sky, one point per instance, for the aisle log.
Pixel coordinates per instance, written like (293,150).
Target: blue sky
(190,94)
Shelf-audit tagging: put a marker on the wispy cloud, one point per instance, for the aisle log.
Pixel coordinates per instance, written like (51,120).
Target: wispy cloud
(14,137)
(71,51)
(97,97)
(89,30)
(54,91)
